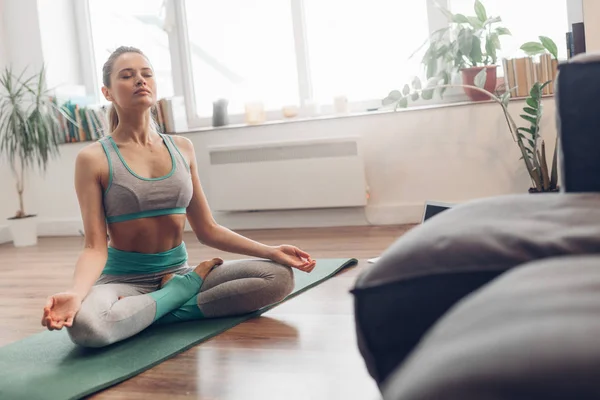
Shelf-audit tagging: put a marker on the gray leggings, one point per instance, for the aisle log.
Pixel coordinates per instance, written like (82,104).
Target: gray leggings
(234,288)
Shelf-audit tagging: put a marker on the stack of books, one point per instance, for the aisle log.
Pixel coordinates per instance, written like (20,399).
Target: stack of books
(170,115)
(80,123)
(520,74)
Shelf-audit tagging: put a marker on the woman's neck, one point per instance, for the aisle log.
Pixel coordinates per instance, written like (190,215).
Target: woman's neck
(134,127)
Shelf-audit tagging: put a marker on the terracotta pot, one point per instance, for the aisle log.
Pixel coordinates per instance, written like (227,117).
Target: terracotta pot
(468,78)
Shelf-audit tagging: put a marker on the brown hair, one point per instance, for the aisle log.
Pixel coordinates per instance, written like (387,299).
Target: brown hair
(107,69)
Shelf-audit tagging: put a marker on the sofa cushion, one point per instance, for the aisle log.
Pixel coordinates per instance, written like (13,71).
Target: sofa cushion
(533,333)
(434,265)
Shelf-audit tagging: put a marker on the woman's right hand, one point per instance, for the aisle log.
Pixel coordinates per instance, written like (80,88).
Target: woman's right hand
(60,310)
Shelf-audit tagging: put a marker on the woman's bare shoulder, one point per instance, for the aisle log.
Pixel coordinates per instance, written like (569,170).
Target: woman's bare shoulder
(183,142)
(185,145)
(91,157)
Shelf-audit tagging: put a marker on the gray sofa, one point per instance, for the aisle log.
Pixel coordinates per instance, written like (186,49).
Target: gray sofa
(498,298)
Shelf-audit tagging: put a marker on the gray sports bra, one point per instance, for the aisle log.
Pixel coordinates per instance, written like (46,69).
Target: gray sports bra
(129,196)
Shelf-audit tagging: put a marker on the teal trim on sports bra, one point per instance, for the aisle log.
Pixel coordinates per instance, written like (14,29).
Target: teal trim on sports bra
(177,148)
(173,163)
(121,262)
(110,168)
(145,214)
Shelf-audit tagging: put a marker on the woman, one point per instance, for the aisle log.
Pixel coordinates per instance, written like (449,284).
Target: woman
(140,186)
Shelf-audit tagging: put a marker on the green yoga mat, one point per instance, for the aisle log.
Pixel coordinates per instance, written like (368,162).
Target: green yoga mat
(49,366)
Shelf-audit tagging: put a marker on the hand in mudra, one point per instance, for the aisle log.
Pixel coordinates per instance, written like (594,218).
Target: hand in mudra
(293,257)
(60,310)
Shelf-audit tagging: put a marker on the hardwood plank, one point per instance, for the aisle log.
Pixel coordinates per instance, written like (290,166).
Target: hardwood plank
(302,349)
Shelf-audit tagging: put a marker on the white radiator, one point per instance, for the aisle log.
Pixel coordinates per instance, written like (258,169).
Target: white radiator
(320,173)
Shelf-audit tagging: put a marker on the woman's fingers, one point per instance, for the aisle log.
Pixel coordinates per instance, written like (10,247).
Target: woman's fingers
(69,322)
(49,303)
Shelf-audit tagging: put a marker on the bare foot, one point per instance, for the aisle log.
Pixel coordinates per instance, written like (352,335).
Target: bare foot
(206,266)
(165,279)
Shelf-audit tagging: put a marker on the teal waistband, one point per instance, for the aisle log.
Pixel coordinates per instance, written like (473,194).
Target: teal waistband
(124,262)
(146,214)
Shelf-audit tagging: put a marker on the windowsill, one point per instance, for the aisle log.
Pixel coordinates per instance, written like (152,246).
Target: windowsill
(439,105)
(421,107)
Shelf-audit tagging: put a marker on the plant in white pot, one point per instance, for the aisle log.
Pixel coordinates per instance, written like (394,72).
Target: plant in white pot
(467,46)
(28,139)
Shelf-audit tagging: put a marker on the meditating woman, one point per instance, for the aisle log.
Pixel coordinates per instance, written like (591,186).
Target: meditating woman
(140,186)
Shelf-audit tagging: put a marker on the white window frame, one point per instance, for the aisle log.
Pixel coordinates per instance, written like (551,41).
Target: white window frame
(183,76)
(185,86)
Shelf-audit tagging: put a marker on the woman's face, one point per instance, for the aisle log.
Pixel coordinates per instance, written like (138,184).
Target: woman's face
(132,82)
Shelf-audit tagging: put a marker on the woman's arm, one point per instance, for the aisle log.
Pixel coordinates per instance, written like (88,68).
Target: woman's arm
(88,187)
(209,232)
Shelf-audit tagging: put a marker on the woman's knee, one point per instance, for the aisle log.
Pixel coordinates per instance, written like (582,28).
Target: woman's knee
(87,330)
(281,282)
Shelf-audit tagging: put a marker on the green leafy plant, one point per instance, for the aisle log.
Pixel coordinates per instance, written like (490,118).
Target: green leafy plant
(528,139)
(468,41)
(28,126)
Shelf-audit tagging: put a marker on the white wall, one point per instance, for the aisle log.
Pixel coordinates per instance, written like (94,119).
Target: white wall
(3,55)
(21,25)
(453,154)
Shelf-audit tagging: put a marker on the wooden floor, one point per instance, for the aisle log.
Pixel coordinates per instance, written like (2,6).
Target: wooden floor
(302,349)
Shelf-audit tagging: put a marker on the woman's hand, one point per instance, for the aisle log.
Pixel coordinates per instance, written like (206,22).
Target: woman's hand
(293,257)
(60,310)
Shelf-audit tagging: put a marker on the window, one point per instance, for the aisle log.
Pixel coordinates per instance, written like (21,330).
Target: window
(526,19)
(243,51)
(290,52)
(361,49)
(134,23)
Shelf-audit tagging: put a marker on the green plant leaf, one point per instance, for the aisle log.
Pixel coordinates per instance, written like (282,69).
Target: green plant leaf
(492,20)
(387,101)
(395,95)
(460,19)
(476,54)
(528,130)
(480,78)
(406,90)
(416,83)
(503,31)
(529,119)
(391,98)
(533,48)
(490,49)
(544,85)
(432,66)
(465,41)
(549,45)
(414,96)
(403,102)
(530,111)
(505,98)
(531,102)
(480,11)
(535,91)
(475,22)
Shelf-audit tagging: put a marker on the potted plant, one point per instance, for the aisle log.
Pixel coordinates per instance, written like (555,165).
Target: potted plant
(28,138)
(468,45)
(527,138)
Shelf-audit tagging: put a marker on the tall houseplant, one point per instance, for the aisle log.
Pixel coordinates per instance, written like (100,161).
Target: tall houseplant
(468,45)
(28,139)
(527,138)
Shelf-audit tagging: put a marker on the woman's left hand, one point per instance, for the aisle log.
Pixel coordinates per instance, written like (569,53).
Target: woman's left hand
(293,257)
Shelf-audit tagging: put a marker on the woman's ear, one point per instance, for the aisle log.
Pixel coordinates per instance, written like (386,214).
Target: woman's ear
(106,93)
